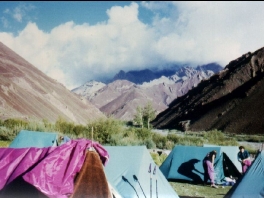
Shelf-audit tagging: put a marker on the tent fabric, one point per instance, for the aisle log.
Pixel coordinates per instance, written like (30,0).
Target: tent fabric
(231,152)
(91,180)
(224,167)
(252,183)
(186,163)
(131,171)
(51,169)
(26,139)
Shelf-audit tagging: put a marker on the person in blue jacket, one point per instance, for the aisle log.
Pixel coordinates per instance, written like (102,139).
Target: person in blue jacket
(244,158)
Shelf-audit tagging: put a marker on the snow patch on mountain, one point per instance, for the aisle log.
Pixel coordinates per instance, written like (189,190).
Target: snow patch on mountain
(158,81)
(89,88)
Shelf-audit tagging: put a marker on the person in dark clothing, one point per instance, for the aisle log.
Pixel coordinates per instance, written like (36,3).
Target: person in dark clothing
(244,158)
(208,165)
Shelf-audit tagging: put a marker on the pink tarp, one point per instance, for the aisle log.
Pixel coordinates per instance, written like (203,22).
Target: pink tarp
(51,170)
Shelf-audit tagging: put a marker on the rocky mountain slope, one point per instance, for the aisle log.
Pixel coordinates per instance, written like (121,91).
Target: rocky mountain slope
(120,98)
(27,93)
(230,101)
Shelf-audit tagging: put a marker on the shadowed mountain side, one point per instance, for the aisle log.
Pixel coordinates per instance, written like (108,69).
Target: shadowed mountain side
(136,77)
(27,93)
(230,101)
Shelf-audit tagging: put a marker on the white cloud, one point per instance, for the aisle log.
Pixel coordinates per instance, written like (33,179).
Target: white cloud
(195,32)
(4,22)
(20,12)
(6,11)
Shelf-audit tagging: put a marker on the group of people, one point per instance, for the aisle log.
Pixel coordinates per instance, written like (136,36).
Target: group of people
(208,164)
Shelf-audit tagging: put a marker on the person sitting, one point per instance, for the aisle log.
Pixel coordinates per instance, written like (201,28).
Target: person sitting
(244,158)
(229,181)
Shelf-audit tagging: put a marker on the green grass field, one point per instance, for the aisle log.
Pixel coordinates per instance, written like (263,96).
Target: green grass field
(185,190)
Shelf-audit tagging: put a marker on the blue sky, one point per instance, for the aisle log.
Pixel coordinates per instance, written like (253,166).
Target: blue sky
(16,15)
(74,42)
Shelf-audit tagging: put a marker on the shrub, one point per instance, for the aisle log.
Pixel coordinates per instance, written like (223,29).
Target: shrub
(150,144)
(169,145)
(12,123)
(159,140)
(173,138)
(143,133)
(103,129)
(48,125)
(158,159)
(80,129)
(219,138)
(63,126)
(7,134)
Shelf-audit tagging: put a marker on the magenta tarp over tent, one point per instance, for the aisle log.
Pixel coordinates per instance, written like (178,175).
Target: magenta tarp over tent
(51,170)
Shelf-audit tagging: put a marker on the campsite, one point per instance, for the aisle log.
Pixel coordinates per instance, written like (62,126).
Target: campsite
(131,99)
(122,171)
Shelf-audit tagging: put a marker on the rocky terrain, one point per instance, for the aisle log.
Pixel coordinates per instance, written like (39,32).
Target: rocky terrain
(27,93)
(121,97)
(230,101)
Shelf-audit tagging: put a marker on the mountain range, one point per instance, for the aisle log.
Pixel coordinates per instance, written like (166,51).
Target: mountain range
(230,101)
(27,93)
(128,90)
(199,98)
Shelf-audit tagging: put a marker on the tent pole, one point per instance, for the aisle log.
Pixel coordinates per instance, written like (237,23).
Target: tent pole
(150,180)
(157,188)
(154,173)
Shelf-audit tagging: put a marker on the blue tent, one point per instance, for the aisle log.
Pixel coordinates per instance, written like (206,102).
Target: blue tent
(26,139)
(133,173)
(252,183)
(231,152)
(186,163)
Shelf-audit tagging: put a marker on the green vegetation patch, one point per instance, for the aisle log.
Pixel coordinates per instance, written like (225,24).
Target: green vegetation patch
(4,143)
(191,190)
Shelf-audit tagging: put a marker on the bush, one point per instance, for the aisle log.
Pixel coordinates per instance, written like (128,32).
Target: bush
(150,144)
(80,129)
(103,129)
(169,145)
(219,138)
(7,134)
(143,133)
(158,159)
(159,140)
(173,138)
(63,126)
(12,123)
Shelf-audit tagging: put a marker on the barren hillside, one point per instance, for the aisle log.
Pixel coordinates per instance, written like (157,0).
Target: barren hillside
(27,93)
